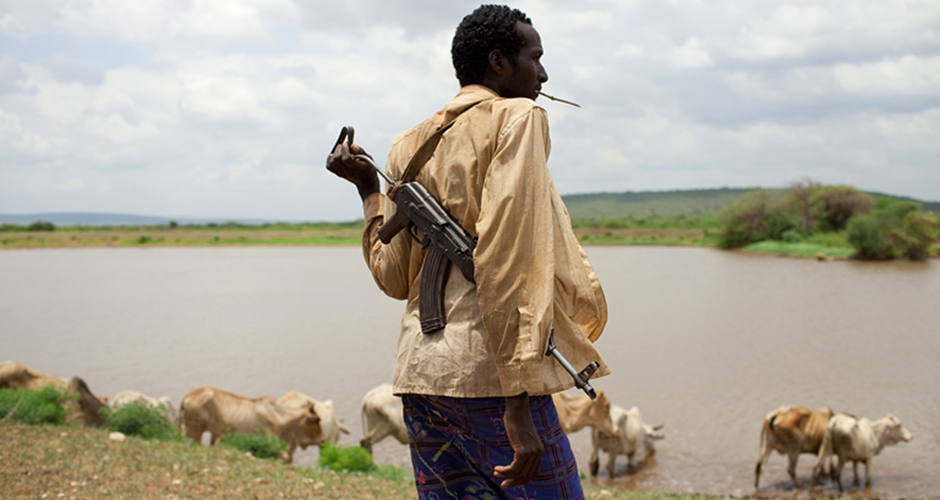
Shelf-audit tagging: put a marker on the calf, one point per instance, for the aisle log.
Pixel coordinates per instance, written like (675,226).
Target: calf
(382,416)
(791,430)
(329,423)
(220,413)
(858,441)
(630,436)
(576,412)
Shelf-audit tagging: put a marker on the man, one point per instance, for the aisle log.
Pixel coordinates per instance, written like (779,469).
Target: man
(477,394)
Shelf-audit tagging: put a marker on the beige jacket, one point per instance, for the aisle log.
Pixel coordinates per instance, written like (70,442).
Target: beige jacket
(489,172)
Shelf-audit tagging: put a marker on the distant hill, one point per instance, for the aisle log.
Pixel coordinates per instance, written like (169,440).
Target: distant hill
(696,202)
(690,203)
(99,219)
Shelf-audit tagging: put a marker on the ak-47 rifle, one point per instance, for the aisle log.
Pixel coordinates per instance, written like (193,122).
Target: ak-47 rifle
(446,240)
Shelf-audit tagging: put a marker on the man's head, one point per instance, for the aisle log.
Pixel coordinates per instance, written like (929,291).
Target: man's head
(497,46)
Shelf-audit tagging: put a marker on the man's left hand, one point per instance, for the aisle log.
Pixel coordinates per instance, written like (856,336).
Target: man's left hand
(526,444)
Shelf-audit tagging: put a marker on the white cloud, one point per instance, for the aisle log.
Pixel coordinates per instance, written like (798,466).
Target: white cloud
(691,55)
(72,184)
(907,75)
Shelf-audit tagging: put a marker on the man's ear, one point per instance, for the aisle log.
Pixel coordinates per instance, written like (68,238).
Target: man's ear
(498,62)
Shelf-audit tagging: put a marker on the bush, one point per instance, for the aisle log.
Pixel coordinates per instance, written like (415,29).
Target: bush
(41,226)
(841,203)
(803,201)
(892,229)
(747,220)
(35,407)
(345,458)
(10,228)
(260,445)
(143,421)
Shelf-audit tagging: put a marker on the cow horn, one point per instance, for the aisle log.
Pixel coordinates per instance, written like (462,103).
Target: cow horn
(658,427)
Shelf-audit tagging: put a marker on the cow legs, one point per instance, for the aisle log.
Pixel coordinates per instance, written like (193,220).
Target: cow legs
(868,472)
(761,462)
(594,459)
(611,462)
(793,456)
(855,471)
(839,473)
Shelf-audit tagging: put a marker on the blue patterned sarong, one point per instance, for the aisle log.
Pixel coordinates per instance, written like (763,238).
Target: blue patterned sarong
(456,442)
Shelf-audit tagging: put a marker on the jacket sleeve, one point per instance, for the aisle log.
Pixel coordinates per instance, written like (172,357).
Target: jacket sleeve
(514,257)
(389,264)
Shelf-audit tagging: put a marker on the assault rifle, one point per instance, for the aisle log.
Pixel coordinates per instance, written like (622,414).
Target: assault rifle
(446,240)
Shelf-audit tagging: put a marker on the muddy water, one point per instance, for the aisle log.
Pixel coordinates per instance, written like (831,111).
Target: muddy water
(706,342)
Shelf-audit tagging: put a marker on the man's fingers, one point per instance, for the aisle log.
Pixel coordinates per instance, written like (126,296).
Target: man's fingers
(523,468)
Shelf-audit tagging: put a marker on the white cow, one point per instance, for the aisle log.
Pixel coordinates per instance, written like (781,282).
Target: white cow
(382,416)
(127,396)
(220,412)
(576,412)
(631,436)
(331,425)
(791,430)
(859,441)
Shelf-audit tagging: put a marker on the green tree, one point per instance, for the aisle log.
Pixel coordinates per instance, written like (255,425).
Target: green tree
(892,229)
(841,203)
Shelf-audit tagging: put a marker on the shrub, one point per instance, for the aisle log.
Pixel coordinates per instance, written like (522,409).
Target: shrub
(803,201)
(745,220)
(259,444)
(41,226)
(841,203)
(9,228)
(35,407)
(143,421)
(892,229)
(345,458)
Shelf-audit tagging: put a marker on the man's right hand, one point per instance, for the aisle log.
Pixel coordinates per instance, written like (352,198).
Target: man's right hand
(342,163)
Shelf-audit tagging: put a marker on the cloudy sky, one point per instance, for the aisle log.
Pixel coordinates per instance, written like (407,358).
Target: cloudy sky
(227,108)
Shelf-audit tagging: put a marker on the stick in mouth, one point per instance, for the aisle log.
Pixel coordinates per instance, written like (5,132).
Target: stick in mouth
(543,94)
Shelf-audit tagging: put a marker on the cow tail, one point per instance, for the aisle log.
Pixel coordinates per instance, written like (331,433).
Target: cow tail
(768,423)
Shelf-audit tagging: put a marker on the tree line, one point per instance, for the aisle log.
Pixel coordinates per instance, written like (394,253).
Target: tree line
(878,228)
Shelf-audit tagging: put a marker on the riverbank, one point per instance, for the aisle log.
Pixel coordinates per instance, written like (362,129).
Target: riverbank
(68,462)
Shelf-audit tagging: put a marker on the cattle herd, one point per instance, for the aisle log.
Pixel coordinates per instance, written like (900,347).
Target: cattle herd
(299,420)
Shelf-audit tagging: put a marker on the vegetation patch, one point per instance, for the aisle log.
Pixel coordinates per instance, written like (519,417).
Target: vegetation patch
(345,458)
(259,444)
(803,249)
(34,407)
(143,421)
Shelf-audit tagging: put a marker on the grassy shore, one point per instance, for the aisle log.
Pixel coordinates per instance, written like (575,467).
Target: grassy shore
(68,462)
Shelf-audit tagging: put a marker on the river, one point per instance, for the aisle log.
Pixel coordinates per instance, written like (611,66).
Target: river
(703,341)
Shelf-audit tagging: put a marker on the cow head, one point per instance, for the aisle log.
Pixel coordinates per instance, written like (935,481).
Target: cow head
(310,431)
(599,414)
(895,431)
(651,435)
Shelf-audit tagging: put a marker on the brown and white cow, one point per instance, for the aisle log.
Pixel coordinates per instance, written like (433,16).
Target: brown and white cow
(382,416)
(329,423)
(858,440)
(220,412)
(631,437)
(576,412)
(127,396)
(13,375)
(791,430)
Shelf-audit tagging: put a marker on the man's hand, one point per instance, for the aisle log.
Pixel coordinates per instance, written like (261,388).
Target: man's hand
(526,444)
(342,163)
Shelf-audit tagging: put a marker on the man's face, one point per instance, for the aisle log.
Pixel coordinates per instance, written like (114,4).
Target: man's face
(526,74)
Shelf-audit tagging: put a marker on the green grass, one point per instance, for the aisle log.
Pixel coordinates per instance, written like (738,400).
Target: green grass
(802,249)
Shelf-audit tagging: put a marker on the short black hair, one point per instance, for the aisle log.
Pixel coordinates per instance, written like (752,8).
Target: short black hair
(490,27)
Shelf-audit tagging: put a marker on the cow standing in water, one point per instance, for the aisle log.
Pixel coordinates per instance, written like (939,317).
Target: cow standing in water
(630,437)
(859,441)
(791,430)
(576,412)
(220,413)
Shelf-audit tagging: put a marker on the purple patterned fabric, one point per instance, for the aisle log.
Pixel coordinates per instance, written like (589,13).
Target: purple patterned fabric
(456,442)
